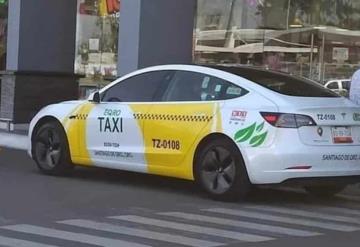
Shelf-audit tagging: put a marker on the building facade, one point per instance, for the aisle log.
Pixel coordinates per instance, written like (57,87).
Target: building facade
(49,47)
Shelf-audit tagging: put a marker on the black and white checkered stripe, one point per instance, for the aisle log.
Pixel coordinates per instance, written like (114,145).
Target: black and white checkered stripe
(81,116)
(173,117)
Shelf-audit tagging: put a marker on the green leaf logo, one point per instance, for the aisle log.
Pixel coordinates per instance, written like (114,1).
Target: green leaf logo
(258,140)
(253,134)
(260,127)
(244,134)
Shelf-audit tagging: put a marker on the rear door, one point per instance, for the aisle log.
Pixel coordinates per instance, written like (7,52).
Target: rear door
(189,106)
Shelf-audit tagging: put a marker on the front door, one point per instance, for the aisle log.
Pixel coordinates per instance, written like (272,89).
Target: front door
(115,136)
(115,126)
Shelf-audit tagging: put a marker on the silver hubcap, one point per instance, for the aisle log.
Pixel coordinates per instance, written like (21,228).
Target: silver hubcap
(48,150)
(218,170)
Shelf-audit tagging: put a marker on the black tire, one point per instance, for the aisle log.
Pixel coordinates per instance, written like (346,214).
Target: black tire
(220,171)
(51,150)
(325,190)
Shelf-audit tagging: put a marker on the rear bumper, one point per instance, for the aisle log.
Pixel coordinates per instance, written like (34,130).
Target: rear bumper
(284,161)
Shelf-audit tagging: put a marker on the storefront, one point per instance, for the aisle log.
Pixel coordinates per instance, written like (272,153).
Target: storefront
(98,36)
(96,43)
(55,46)
(317,39)
(51,44)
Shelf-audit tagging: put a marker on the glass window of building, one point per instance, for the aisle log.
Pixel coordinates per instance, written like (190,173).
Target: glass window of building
(96,43)
(316,39)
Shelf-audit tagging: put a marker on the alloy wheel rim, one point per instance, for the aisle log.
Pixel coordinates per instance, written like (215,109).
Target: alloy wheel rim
(218,170)
(48,148)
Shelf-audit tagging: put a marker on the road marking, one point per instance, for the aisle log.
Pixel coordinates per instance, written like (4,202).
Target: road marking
(282,219)
(193,228)
(349,197)
(304,213)
(12,242)
(175,239)
(71,236)
(243,224)
(340,210)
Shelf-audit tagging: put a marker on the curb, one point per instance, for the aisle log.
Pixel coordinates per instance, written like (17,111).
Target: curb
(13,140)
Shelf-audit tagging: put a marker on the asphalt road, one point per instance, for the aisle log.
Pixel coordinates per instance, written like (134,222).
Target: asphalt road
(98,207)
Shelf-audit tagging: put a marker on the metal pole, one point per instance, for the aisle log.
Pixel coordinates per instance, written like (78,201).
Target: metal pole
(311,55)
(288,14)
(228,28)
(322,65)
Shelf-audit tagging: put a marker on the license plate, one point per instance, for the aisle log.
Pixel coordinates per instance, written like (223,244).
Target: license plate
(341,135)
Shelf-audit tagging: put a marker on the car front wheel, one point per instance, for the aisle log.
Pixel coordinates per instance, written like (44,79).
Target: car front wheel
(51,151)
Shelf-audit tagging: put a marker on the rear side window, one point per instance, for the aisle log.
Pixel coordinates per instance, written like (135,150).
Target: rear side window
(282,83)
(193,86)
(346,85)
(292,86)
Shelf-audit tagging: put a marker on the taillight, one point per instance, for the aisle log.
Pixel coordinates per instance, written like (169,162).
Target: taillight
(287,120)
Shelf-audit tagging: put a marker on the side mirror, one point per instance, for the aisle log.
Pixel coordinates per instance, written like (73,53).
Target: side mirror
(95,97)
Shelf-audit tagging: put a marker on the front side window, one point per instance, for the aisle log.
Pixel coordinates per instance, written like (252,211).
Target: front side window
(139,88)
(192,86)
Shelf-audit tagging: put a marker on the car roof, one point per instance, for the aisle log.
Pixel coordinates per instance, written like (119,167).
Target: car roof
(227,72)
(183,67)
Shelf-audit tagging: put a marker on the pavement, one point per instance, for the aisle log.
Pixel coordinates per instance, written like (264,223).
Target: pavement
(15,140)
(101,207)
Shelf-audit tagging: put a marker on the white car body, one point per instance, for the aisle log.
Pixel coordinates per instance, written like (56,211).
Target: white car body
(271,155)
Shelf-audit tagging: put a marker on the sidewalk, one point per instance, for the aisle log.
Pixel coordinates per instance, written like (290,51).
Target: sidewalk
(16,140)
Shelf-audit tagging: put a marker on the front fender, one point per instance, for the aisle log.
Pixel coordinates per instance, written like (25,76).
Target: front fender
(56,111)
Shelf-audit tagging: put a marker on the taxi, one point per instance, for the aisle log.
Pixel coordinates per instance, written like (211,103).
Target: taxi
(228,128)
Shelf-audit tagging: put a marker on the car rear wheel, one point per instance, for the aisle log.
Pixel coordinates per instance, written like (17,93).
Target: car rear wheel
(325,191)
(51,151)
(221,172)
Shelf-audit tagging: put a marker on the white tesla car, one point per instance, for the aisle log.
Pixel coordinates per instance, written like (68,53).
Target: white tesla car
(227,128)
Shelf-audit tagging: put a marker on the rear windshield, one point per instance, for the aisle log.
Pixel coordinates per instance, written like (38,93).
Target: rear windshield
(282,83)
